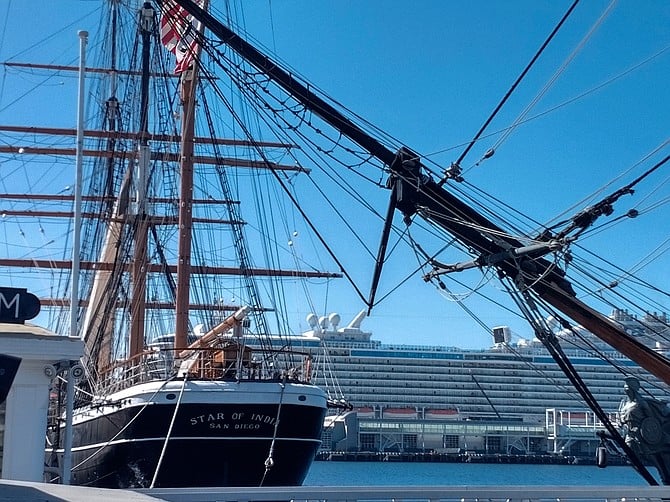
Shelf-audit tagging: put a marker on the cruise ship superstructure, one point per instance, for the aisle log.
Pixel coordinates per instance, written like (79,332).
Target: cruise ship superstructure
(510,379)
(405,395)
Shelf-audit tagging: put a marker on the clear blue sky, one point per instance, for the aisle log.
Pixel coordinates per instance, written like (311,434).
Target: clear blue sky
(430,73)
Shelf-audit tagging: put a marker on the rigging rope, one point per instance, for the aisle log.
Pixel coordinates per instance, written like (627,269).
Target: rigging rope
(306,218)
(269,462)
(584,219)
(625,298)
(527,302)
(169,432)
(101,448)
(552,80)
(516,83)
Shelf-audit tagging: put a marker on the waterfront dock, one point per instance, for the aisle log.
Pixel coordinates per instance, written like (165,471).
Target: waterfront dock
(467,457)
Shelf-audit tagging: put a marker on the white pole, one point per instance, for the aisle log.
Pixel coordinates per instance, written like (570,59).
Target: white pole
(74,297)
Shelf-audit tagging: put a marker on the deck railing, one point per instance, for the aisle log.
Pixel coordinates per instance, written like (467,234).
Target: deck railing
(211,363)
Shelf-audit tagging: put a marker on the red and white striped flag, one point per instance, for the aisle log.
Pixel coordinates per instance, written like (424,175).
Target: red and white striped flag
(178,33)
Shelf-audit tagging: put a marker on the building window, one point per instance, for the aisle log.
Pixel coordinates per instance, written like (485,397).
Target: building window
(368,442)
(409,442)
(494,444)
(450,441)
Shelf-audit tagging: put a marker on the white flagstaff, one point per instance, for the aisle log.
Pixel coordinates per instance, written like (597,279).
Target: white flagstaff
(74,303)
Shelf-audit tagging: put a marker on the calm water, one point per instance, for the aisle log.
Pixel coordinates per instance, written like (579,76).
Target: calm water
(417,473)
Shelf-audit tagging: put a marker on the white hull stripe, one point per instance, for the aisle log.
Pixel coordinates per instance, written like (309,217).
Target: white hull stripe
(189,438)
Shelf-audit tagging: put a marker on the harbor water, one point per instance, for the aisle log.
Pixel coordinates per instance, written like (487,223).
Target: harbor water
(326,473)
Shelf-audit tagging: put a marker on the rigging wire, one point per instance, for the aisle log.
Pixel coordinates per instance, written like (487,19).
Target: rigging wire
(168,434)
(528,304)
(553,79)
(269,461)
(240,247)
(305,217)
(266,214)
(4,28)
(584,219)
(488,330)
(495,209)
(552,109)
(516,83)
(622,298)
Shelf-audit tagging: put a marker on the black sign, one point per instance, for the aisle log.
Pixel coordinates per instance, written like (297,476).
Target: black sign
(17,305)
(9,365)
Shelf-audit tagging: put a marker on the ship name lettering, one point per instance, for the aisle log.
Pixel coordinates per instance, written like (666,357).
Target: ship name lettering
(211,417)
(266,419)
(248,426)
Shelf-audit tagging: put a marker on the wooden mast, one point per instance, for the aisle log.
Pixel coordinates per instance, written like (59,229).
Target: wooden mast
(141,175)
(188,85)
(189,81)
(97,329)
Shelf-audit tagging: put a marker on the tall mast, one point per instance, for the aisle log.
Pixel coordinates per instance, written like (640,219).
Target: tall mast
(188,87)
(140,256)
(97,329)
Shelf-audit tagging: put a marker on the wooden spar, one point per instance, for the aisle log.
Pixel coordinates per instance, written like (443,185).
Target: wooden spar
(188,87)
(151,305)
(159,268)
(609,332)
(166,138)
(155,156)
(421,195)
(226,325)
(103,198)
(141,210)
(152,220)
(38,66)
(56,197)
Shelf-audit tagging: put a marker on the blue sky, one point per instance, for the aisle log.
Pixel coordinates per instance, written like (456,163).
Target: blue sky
(429,73)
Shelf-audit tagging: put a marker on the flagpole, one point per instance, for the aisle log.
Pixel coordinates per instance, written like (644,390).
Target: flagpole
(74,303)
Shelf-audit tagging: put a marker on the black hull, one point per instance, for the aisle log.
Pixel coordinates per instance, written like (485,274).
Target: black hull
(225,443)
(197,463)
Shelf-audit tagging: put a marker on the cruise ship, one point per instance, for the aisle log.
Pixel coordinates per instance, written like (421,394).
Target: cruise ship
(511,390)
(511,379)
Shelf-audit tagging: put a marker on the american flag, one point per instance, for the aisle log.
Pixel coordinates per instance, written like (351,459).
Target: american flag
(178,33)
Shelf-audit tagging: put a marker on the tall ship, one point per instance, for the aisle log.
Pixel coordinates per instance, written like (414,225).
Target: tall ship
(150,264)
(406,216)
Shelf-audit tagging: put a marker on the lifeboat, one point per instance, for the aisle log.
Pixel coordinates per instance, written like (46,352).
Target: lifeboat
(401,413)
(365,412)
(442,414)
